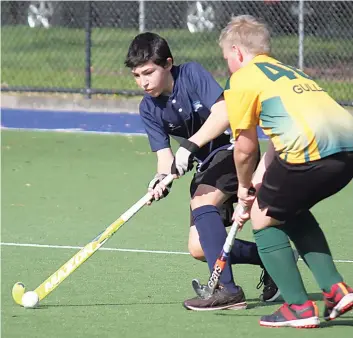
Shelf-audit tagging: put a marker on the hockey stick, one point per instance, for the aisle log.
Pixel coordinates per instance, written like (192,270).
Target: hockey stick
(206,291)
(80,257)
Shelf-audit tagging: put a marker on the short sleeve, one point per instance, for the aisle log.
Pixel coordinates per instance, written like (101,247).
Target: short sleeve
(242,106)
(204,84)
(157,136)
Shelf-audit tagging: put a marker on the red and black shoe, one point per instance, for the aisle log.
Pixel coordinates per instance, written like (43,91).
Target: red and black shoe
(338,301)
(304,316)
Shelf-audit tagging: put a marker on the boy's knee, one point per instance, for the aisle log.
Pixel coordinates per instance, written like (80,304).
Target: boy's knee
(194,245)
(259,218)
(198,201)
(196,251)
(206,195)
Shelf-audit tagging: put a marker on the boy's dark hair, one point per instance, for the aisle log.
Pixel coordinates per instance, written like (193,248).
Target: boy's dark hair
(148,47)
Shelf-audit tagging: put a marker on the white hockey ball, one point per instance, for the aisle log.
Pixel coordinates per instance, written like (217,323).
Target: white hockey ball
(30,300)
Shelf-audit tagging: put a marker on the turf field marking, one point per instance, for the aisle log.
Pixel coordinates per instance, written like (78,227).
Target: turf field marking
(104,249)
(121,250)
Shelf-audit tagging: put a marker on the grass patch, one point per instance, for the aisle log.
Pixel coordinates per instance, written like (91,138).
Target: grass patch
(65,188)
(56,57)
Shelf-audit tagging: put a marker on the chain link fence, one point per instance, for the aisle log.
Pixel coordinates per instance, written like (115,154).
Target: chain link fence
(74,46)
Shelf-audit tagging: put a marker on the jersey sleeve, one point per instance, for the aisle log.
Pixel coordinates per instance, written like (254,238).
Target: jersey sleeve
(243,106)
(157,136)
(205,85)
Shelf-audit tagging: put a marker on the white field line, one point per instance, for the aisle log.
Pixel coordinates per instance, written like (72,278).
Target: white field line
(117,249)
(103,249)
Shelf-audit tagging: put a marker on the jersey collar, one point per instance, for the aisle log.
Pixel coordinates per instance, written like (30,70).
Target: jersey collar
(258,58)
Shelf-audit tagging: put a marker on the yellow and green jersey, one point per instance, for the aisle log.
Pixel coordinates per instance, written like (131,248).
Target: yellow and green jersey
(302,120)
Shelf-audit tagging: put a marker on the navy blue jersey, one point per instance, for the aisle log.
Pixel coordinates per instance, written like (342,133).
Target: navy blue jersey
(183,113)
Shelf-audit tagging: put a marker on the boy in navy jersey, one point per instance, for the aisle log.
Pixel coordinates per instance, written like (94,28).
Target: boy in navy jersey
(177,102)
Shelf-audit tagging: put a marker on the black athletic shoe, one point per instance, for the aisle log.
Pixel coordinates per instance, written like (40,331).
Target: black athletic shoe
(222,299)
(270,292)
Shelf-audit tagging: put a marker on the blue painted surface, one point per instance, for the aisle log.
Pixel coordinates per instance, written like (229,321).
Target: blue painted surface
(121,123)
(77,121)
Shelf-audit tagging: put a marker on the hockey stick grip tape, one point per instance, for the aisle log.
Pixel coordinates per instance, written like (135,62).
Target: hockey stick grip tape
(234,229)
(168,179)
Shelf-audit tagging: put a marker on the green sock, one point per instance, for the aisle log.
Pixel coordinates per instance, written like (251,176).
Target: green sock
(312,246)
(278,259)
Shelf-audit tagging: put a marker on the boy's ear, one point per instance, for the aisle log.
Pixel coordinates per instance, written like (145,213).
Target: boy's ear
(169,64)
(238,52)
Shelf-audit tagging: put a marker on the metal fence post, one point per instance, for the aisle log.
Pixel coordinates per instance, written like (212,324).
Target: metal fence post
(88,43)
(141,16)
(301,35)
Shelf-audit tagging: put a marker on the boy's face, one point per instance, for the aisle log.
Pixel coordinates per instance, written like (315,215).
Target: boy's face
(233,56)
(151,78)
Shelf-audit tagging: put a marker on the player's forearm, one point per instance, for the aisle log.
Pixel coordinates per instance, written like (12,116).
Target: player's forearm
(246,156)
(164,160)
(263,165)
(216,124)
(245,164)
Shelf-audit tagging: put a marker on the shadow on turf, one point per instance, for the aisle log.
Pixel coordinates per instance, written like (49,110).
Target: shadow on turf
(339,322)
(106,304)
(256,303)
(316,296)
(342,322)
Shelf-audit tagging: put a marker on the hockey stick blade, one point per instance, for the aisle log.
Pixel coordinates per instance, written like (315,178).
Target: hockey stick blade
(201,290)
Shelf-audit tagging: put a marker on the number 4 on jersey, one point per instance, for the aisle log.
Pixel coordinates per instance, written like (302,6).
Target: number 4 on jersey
(275,72)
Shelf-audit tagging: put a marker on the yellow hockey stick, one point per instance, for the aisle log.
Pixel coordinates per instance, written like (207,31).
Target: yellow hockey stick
(80,257)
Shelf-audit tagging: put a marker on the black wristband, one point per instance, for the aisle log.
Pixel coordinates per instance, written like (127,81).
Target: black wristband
(173,169)
(191,146)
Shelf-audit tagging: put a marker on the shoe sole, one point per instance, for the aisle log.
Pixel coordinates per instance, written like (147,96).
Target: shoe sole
(278,293)
(238,306)
(343,306)
(307,323)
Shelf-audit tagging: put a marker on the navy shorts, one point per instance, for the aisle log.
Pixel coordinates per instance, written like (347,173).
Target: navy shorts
(220,173)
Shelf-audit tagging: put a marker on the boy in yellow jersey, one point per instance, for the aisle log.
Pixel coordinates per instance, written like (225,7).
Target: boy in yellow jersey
(310,158)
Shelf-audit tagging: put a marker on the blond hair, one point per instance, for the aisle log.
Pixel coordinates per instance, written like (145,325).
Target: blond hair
(248,32)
